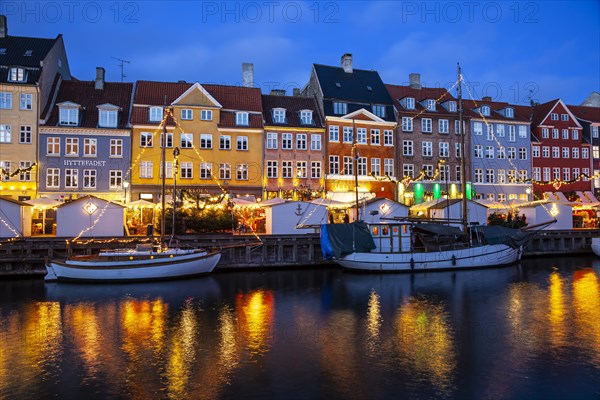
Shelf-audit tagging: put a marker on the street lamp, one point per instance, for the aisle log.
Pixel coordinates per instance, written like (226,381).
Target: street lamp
(125,186)
(528,191)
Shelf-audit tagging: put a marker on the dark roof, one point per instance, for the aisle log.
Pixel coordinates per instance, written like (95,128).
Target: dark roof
(228,120)
(293,105)
(586,113)
(353,87)
(540,111)
(16,46)
(53,89)
(85,94)
(521,113)
(400,92)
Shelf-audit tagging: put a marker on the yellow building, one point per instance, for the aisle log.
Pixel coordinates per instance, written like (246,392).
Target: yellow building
(26,88)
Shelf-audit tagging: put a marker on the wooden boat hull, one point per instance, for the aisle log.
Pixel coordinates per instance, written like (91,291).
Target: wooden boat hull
(133,268)
(474,257)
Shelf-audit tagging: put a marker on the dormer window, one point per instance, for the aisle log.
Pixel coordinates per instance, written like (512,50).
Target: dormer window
(378,110)
(306,117)
(410,103)
(2,51)
(279,115)
(16,75)
(28,53)
(340,108)
(510,113)
(107,116)
(68,114)
(452,106)
(241,118)
(155,114)
(430,104)
(485,111)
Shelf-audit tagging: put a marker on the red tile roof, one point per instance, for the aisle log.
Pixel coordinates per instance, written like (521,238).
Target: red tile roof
(521,113)
(228,121)
(158,93)
(591,114)
(540,111)
(88,97)
(236,97)
(293,105)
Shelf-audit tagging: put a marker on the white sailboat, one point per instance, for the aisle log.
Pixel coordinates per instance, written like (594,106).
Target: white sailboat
(411,245)
(145,262)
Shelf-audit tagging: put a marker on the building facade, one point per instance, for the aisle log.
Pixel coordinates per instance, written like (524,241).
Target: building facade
(588,117)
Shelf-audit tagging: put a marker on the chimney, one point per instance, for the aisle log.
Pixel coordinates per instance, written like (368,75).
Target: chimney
(296,92)
(99,78)
(3,27)
(248,75)
(414,80)
(347,63)
(486,98)
(278,92)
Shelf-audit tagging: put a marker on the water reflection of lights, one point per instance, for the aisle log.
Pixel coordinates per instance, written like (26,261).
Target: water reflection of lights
(255,315)
(556,311)
(373,321)
(182,353)
(424,342)
(586,302)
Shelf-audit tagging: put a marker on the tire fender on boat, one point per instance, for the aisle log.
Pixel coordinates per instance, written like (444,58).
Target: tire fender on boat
(412,263)
(453,260)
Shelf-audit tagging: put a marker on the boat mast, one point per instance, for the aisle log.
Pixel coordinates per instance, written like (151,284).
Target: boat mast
(175,172)
(163,157)
(463,162)
(355,155)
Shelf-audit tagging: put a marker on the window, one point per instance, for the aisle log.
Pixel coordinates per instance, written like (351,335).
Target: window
(334,133)
(522,153)
(388,138)
(458,172)
(490,176)
(457,127)
(485,111)
(206,115)
(224,171)
(169,139)
(478,151)
(426,125)
(348,134)
(545,133)
(535,151)
(315,169)
(501,176)
(510,113)
(315,141)
(241,118)
(408,170)
(477,128)
(116,147)
(107,118)
(205,141)
(595,131)
(512,175)
(537,174)
(407,124)
(555,152)
(25,134)
(376,166)
(546,173)
(279,115)
(556,173)
(340,108)
(272,167)
(306,117)
(575,151)
(512,153)
(407,148)
(489,152)
(565,134)
(490,196)
(378,110)
(168,168)
(501,153)
(145,139)
(444,172)
(72,147)
(585,152)
(546,151)
(444,149)
(301,169)
(428,168)
(301,141)
(26,101)
(430,104)
(511,133)
(457,150)
(186,141)
(286,141)
(410,103)
(155,114)
(334,165)
(575,134)
(361,135)
(565,152)
(564,117)
(576,173)
(443,126)
(427,149)
(452,107)
(522,131)
(68,116)
(225,142)
(89,179)
(555,133)
(71,178)
(90,147)
(16,75)
(5,134)
(186,170)
(554,117)
(187,114)
(585,171)
(499,130)
(5,101)
(146,169)
(348,166)
(490,132)
(241,172)
(271,140)
(53,146)
(595,152)
(388,166)
(205,170)
(286,169)
(53,178)
(115,179)
(242,144)
(567,174)
(478,175)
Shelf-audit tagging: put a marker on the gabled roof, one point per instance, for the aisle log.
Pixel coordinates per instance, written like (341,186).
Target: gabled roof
(541,111)
(398,93)
(365,114)
(293,105)
(17,46)
(197,86)
(586,113)
(236,97)
(88,197)
(89,98)
(352,87)
(471,109)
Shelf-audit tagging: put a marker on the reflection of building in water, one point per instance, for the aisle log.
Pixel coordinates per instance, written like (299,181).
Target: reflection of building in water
(424,342)
(556,311)
(255,317)
(586,306)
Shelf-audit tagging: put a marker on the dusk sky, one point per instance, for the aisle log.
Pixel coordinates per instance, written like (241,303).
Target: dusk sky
(508,50)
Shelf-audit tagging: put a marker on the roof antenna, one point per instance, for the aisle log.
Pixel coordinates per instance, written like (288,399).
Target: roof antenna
(122,66)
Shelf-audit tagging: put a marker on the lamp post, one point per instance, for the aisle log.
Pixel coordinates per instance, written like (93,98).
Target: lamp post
(528,191)
(125,187)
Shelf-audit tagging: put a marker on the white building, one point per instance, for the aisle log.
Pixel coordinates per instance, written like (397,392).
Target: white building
(90,216)
(15,218)
(294,217)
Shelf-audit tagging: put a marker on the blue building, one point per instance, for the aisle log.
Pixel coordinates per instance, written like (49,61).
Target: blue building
(85,140)
(500,150)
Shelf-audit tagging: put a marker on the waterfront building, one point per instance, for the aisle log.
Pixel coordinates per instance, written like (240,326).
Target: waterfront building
(293,147)
(500,149)
(30,70)
(358,111)
(85,140)
(561,159)
(588,116)
(428,142)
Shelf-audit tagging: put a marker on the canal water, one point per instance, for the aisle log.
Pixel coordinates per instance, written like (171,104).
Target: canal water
(522,332)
